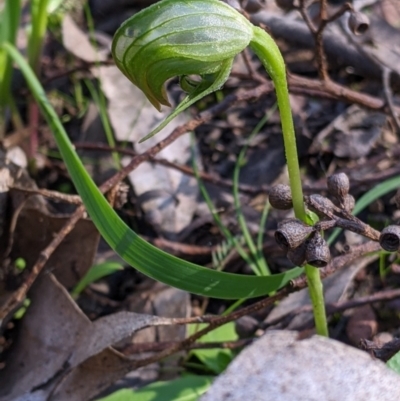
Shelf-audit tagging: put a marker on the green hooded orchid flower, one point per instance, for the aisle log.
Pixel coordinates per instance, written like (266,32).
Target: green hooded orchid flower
(180,38)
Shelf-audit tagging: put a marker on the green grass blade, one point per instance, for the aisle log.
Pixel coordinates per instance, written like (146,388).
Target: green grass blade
(9,21)
(95,273)
(259,260)
(39,16)
(134,250)
(224,230)
(100,101)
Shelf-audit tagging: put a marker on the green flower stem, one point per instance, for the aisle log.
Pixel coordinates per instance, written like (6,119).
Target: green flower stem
(268,52)
(316,291)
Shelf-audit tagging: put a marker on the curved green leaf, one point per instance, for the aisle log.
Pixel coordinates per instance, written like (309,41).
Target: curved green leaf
(134,250)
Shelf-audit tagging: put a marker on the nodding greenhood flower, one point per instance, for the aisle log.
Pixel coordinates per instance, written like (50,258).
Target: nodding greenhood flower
(200,37)
(181,38)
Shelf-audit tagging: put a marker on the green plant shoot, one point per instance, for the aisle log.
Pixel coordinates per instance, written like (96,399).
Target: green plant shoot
(202,37)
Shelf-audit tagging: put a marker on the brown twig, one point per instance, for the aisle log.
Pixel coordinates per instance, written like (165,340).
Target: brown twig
(386,72)
(337,307)
(383,352)
(318,33)
(250,189)
(162,346)
(53,195)
(19,295)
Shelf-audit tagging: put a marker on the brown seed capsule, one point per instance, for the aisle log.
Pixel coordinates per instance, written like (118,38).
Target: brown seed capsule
(292,233)
(246,326)
(390,238)
(348,203)
(298,255)
(280,197)
(338,185)
(358,23)
(317,251)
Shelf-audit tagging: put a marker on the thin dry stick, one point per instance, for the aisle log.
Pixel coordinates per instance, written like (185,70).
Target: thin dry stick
(53,195)
(161,346)
(386,72)
(19,295)
(318,33)
(336,307)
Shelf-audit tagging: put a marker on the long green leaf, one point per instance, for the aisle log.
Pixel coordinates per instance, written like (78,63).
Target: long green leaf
(133,249)
(95,273)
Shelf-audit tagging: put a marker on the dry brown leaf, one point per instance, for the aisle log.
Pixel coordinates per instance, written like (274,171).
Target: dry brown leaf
(362,324)
(59,350)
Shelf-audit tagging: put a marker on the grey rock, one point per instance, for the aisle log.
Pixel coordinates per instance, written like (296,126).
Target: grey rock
(281,368)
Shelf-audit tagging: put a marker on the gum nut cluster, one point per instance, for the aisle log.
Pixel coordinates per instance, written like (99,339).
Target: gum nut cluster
(305,244)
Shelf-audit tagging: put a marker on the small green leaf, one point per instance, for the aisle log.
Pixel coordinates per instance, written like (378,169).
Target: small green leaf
(188,388)
(95,273)
(394,363)
(216,360)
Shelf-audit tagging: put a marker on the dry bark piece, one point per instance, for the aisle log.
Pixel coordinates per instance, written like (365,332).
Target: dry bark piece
(390,238)
(280,197)
(292,233)
(358,23)
(361,325)
(285,4)
(317,251)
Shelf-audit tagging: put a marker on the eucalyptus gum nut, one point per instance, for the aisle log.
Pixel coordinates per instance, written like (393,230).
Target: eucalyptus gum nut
(390,238)
(317,251)
(338,185)
(298,255)
(292,233)
(358,23)
(246,326)
(280,197)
